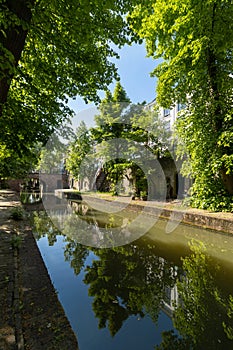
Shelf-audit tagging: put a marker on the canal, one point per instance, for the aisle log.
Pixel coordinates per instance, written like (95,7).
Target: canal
(160,291)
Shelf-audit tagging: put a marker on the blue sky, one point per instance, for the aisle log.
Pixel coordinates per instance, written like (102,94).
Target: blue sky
(134,69)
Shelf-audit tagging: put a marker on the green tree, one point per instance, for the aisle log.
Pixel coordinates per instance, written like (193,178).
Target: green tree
(52,157)
(52,51)
(109,135)
(127,138)
(15,22)
(195,41)
(78,149)
(129,133)
(17,165)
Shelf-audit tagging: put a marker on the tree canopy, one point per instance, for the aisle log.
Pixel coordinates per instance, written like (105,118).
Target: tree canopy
(52,51)
(194,38)
(126,138)
(78,149)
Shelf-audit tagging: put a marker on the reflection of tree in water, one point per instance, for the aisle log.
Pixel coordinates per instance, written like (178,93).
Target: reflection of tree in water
(43,226)
(126,281)
(30,197)
(76,254)
(79,207)
(172,341)
(131,280)
(204,315)
(90,227)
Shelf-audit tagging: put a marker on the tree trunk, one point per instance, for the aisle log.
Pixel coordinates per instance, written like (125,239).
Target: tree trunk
(13,41)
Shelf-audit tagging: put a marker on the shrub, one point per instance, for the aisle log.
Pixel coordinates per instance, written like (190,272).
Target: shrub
(17,213)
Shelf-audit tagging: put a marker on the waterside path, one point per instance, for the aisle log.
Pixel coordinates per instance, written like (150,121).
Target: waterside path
(31,316)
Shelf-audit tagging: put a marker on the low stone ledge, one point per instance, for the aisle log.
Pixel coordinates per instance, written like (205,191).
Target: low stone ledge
(209,222)
(203,220)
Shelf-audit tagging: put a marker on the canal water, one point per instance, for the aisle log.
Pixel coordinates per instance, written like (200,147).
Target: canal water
(161,291)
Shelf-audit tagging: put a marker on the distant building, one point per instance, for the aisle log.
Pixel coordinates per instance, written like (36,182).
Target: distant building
(168,114)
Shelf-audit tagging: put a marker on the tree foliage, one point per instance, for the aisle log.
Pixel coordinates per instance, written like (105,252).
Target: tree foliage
(110,135)
(195,40)
(78,149)
(52,51)
(126,138)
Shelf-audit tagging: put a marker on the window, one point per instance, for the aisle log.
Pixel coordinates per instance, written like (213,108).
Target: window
(166,112)
(180,106)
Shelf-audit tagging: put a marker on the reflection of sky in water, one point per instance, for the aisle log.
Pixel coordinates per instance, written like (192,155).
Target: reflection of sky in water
(136,333)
